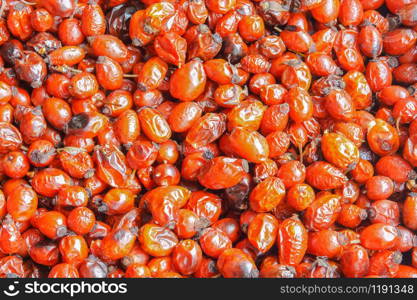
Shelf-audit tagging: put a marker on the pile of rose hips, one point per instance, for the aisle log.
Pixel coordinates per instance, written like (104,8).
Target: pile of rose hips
(207,138)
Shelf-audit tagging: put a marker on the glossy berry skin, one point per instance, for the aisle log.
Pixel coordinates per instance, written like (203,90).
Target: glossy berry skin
(232,171)
(73,249)
(382,138)
(52,224)
(118,243)
(322,175)
(81,220)
(379,187)
(184,116)
(214,242)
(73,26)
(15,164)
(351,215)
(187,257)
(207,129)
(63,270)
(234,263)
(409,211)
(291,173)
(355,253)
(92,20)
(270,268)
(323,212)
(191,86)
(157,241)
(292,241)
(405,271)
(205,139)
(327,243)
(395,168)
(339,150)
(10,236)
(385,263)
(242,142)
(153,125)
(262,231)
(137,271)
(117,201)
(22,203)
(45,253)
(379,236)
(267,195)
(300,196)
